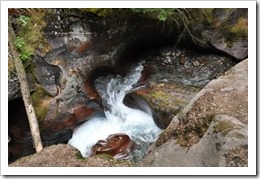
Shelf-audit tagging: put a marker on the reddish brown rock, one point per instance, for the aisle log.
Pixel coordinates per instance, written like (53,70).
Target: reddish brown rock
(117,145)
(92,93)
(75,115)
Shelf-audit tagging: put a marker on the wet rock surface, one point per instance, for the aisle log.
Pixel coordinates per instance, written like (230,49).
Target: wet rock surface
(117,145)
(52,131)
(214,113)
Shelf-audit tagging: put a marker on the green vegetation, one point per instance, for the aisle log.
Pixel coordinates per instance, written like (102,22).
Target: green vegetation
(208,14)
(161,14)
(223,127)
(25,52)
(240,28)
(40,102)
(29,33)
(79,156)
(105,156)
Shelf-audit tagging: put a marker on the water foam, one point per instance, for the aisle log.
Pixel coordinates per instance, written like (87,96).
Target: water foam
(118,117)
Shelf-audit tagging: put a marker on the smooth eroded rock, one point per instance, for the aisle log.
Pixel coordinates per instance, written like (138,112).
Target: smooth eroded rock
(117,145)
(211,130)
(224,144)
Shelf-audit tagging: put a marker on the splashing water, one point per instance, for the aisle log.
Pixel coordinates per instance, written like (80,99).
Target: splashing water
(118,118)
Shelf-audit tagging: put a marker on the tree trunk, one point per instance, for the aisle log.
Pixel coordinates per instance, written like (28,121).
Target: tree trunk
(25,90)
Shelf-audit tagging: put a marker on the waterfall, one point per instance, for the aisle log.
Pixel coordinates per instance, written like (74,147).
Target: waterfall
(138,125)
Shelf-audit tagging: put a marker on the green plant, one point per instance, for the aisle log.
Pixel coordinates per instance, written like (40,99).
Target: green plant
(29,32)
(24,19)
(161,13)
(25,53)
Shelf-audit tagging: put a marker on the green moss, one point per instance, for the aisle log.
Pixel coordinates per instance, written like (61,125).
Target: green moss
(223,127)
(79,156)
(160,95)
(105,156)
(208,15)
(11,67)
(30,33)
(41,108)
(240,28)
(161,14)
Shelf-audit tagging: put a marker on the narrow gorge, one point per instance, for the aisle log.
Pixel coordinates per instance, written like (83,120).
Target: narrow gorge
(119,87)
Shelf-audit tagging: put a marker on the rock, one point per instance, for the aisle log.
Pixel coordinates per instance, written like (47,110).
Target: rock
(63,155)
(144,79)
(195,63)
(81,44)
(47,75)
(14,91)
(135,101)
(224,144)
(180,82)
(117,145)
(72,115)
(166,100)
(228,31)
(216,111)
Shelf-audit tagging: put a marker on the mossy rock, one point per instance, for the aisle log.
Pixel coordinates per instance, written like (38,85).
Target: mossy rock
(240,28)
(223,127)
(79,156)
(40,100)
(11,66)
(31,24)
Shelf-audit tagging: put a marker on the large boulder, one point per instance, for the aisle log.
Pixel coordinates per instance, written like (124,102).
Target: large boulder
(216,112)
(176,76)
(224,144)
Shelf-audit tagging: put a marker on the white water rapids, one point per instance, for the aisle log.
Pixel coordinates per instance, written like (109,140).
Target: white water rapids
(138,125)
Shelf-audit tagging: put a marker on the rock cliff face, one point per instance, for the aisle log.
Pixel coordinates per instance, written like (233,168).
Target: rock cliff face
(211,130)
(224,30)
(228,31)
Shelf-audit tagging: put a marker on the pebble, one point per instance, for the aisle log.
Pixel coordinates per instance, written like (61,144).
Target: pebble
(195,63)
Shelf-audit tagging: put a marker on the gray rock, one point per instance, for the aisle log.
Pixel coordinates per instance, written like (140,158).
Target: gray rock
(221,109)
(195,63)
(47,75)
(14,90)
(230,35)
(224,135)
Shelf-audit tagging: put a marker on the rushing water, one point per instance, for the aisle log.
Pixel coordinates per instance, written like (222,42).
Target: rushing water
(118,118)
